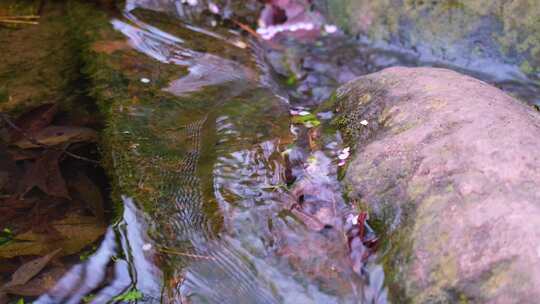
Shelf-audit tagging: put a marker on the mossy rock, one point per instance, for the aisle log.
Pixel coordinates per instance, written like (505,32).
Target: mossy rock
(468,34)
(449,165)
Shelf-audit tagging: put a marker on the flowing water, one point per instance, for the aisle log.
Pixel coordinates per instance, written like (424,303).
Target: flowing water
(242,205)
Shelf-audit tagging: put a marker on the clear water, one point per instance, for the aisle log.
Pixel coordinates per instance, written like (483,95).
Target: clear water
(221,221)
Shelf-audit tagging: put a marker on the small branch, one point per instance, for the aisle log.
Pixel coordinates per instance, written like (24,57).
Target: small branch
(20,17)
(25,19)
(14,21)
(31,139)
(247,28)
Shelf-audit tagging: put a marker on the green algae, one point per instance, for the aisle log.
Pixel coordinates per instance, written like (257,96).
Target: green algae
(143,137)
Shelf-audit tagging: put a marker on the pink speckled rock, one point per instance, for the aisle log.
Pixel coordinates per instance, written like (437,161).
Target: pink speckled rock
(452,165)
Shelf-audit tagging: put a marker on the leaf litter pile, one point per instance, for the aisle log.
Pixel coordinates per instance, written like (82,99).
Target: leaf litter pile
(53,205)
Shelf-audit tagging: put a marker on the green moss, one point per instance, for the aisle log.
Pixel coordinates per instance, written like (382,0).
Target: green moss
(145,140)
(397,248)
(39,63)
(451,28)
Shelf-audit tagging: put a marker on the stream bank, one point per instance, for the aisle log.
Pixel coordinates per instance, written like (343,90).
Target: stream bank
(54,196)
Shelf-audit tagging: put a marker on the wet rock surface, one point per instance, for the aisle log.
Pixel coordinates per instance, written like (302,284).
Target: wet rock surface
(497,38)
(451,165)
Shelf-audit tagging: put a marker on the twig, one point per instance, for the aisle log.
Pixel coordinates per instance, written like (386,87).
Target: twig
(20,17)
(37,143)
(18,21)
(191,255)
(247,28)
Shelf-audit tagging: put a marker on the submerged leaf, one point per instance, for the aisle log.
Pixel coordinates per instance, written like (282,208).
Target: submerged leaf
(56,135)
(308,120)
(76,232)
(85,190)
(45,174)
(30,269)
(35,119)
(40,284)
(132,295)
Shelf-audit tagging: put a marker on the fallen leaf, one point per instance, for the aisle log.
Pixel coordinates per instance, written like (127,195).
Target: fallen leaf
(56,135)
(39,284)
(20,154)
(83,189)
(76,232)
(45,174)
(7,266)
(34,120)
(9,172)
(30,269)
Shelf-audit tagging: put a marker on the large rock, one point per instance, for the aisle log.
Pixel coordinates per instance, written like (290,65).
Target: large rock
(468,34)
(452,165)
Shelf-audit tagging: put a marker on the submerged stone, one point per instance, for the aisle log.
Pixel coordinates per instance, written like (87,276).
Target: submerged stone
(451,165)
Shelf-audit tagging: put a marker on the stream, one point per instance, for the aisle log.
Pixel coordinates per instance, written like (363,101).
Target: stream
(244,202)
(246,206)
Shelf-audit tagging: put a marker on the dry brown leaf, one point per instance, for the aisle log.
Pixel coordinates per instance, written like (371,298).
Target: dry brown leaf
(34,120)
(45,174)
(76,232)
(9,171)
(40,284)
(30,269)
(56,135)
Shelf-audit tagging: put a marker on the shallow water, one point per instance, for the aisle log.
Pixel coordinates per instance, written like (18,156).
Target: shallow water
(234,203)
(215,217)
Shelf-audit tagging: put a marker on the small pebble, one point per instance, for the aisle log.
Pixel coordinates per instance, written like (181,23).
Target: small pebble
(303,113)
(364,122)
(192,2)
(145,80)
(147,247)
